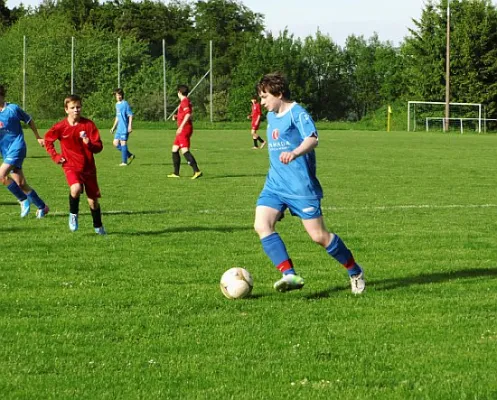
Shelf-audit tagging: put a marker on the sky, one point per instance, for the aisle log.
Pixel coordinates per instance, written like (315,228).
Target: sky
(390,19)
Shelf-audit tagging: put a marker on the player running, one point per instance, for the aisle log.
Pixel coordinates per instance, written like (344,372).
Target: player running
(13,149)
(79,141)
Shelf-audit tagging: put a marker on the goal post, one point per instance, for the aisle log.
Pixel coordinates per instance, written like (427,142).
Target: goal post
(424,110)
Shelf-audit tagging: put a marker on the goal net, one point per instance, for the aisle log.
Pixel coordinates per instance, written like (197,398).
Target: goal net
(430,115)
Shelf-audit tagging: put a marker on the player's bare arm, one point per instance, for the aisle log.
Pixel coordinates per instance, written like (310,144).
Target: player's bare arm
(305,147)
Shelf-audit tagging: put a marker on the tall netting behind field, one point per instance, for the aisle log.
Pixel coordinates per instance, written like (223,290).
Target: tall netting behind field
(39,71)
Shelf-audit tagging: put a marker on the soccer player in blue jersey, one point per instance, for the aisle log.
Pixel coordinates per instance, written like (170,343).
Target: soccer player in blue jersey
(123,126)
(13,149)
(291,183)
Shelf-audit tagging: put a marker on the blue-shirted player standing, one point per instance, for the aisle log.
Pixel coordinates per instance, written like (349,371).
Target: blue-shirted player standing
(292,183)
(13,149)
(123,126)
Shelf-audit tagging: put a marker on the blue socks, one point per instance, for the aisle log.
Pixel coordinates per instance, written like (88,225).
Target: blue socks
(275,249)
(342,254)
(35,199)
(16,191)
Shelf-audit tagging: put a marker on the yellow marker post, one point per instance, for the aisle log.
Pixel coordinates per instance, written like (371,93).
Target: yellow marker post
(389,118)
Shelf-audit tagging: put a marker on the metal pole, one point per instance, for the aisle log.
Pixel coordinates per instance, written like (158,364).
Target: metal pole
(447,70)
(118,62)
(164,77)
(211,79)
(72,65)
(24,72)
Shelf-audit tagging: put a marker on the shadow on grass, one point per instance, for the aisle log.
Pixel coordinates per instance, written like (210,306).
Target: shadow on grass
(9,203)
(45,156)
(183,229)
(422,279)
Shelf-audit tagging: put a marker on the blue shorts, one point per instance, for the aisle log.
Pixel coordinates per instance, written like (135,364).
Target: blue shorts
(302,208)
(121,136)
(14,151)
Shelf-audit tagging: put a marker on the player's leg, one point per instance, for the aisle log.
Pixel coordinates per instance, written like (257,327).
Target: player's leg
(191,161)
(254,139)
(14,188)
(93,194)
(267,213)
(176,160)
(124,152)
(17,175)
(75,190)
(337,249)
(96,215)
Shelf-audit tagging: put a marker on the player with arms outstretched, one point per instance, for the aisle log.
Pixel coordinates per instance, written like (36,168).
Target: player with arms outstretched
(79,141)
(13,149)
(292,183)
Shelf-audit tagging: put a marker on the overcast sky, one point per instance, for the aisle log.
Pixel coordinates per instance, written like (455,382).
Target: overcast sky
(336,18)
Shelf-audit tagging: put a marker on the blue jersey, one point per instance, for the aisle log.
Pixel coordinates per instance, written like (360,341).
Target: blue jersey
(286,132)
(123,112)
(12,144)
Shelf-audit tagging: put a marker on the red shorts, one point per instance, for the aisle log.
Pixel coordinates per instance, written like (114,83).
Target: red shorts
(255,126)
(183,140)
(87,179)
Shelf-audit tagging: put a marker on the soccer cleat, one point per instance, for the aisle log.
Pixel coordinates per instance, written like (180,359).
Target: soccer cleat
(358,283)
(100,231)
(131,158)
(289,282)
(173,176)
(73,222)
(123,164)
(263,144)
(197,175)
(25,207)
(41,212)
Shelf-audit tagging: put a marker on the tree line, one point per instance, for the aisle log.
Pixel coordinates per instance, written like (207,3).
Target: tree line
(335,82)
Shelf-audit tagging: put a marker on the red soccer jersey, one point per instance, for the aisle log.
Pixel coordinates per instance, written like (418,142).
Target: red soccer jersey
(185,107)
(78,155)
(256,113)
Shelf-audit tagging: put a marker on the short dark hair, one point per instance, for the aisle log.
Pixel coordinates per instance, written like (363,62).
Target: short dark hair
(119,91)
(183,89)
(254,97)
(3,90)
(71,98)
(274,83)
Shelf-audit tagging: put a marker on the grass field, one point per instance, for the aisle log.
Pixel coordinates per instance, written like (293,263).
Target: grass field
(139,314)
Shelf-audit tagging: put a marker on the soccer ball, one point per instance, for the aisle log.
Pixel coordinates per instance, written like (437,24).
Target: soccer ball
(236,283)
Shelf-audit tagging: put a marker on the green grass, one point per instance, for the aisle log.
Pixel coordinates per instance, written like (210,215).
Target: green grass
(139,314)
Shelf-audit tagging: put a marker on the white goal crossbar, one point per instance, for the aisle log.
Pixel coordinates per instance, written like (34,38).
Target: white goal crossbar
(479,119)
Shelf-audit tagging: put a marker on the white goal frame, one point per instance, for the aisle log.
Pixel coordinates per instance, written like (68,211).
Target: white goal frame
(409,103)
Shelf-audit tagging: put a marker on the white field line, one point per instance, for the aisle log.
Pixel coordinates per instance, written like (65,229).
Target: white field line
(399,207)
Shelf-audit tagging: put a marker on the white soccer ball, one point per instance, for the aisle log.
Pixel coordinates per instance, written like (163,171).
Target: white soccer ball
(236,283)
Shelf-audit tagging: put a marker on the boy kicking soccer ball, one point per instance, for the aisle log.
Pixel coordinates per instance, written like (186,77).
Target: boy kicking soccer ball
(292,184)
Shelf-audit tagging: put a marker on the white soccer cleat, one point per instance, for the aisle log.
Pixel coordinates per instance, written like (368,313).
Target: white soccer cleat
(73,222)
(25,207)
(41,212)
(358,283)
(289,282)
(100,231)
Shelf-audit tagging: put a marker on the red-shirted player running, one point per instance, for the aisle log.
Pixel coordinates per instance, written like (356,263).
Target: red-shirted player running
(79,140)
(255,116)
(183,135)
